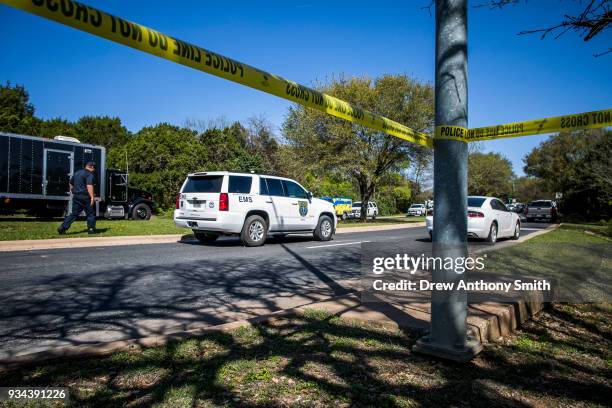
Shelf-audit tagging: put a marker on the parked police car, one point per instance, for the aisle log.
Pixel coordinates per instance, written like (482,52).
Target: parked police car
(250,205)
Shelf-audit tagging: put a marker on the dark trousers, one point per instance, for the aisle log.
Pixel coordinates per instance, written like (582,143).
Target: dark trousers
(80,203)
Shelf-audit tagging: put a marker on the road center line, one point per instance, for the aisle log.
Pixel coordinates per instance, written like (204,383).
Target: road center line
(331,245)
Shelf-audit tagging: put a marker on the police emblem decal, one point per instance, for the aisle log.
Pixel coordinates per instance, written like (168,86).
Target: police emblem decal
(303,208)
(211,204)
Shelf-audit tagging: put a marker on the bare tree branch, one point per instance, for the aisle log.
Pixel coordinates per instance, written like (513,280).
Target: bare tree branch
(594,19)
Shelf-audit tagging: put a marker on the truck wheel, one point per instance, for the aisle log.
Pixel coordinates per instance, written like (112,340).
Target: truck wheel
(344,216)
(141,212)
(205,237)
(254,232)
(374,215)
(324,230)
(492,238)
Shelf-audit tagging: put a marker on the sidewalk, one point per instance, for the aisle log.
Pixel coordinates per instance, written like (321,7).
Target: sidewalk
(34,244)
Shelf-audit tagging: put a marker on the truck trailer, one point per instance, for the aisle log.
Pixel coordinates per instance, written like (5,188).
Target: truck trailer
(35,174)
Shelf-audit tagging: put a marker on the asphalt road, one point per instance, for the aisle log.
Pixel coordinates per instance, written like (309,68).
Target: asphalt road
(78,296)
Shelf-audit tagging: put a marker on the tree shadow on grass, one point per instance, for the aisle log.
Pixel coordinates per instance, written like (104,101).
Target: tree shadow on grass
(318,359)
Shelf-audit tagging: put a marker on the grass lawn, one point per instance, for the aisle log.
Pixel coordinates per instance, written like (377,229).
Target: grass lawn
(574,256)
(562,357)
(402,219)
(16,228)
(21,227)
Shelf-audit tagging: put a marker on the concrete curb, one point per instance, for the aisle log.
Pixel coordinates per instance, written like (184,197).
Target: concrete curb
(380,228)
(58,243)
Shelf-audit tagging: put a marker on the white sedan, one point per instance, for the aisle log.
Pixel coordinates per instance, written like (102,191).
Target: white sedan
(488,218)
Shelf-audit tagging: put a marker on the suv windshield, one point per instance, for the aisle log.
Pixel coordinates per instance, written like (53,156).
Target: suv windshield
(356,205)
(475,201)
(203,184)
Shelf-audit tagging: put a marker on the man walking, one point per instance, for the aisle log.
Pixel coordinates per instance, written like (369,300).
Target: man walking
(82,188)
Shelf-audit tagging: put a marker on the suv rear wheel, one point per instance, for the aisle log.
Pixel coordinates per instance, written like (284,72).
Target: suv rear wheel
(254,232)
(324,230)
(205,237)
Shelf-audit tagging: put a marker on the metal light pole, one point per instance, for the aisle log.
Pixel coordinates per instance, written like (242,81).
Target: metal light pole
(448,334)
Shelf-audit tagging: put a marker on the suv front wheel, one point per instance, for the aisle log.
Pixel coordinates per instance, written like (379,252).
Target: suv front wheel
(254,232)
(324,230)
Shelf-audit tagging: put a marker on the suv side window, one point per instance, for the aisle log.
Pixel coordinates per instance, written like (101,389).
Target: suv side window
(294,190)
(275,187)
(263,186)
(240,184)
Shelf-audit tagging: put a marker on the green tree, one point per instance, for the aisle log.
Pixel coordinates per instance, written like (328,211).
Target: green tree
(393,194)
(489,174)
(322,144)
(227,149)
(262,142)
(16,111)
(101,130)
(159,158)
(579,165)
(527,189)
(56,127)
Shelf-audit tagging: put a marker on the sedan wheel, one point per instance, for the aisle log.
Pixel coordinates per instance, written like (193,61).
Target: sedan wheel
(492,238)
(517,231)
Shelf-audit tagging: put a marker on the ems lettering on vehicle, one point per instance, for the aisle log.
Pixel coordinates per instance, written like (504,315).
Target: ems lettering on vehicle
(252,206)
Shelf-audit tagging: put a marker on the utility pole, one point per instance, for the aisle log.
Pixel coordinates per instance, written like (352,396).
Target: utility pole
(448,333)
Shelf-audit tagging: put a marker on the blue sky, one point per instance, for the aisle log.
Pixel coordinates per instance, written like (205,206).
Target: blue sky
(511,78)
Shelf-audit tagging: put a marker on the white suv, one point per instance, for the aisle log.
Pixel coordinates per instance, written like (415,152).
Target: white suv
(372,210)
(250,205)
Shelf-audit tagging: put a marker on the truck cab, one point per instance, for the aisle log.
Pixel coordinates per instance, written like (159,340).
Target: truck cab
(123,201)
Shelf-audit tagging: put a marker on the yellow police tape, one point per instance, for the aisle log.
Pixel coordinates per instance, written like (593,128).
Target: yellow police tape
(566,123)
(451,132)
(142,38)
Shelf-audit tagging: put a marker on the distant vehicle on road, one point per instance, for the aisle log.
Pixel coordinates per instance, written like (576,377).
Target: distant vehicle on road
(417,210)
(356,210)
(542,210)
(518,208)
(342,205)
(488,218)
(35,172)
(253,206)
